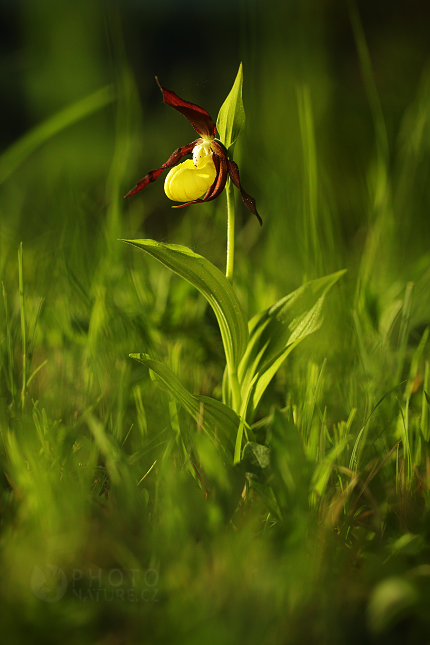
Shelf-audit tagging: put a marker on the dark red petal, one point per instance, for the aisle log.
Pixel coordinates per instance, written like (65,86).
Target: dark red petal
(197,116)
(249,202)
(220,179)
(154,174)
(218,185)
(219,149)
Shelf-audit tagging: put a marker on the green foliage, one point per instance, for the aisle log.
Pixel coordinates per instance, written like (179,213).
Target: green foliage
(212,284)
(171,516)
(275,332)
(231,117)
(216,419)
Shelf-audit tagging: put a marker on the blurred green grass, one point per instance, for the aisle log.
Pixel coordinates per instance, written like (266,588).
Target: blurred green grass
(96,481)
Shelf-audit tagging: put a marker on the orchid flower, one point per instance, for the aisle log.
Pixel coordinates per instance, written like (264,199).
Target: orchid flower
(203,177)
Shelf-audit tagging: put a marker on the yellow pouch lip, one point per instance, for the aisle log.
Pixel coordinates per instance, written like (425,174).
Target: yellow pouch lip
(186,182)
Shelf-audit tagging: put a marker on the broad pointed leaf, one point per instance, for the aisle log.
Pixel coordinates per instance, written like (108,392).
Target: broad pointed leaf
(276,331)
(213,285)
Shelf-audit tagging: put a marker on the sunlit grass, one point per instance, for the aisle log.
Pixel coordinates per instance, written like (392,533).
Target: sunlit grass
(108,484)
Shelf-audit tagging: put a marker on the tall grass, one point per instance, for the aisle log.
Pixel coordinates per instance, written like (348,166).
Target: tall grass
(112,530)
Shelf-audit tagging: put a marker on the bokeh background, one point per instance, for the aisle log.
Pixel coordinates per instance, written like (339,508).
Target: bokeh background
(335,151)
(57,53)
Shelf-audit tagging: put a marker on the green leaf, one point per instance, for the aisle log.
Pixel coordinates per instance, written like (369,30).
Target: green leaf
(239,436)
(276,331)
(213,285)
(231,117)
(324,469)
(217,420)
(256,458)
(18,152)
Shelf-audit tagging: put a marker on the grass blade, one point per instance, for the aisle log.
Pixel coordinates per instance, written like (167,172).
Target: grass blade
(18,152)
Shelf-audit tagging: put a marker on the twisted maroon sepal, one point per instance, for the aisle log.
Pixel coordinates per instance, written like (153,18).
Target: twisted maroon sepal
(154,174)
(197,116)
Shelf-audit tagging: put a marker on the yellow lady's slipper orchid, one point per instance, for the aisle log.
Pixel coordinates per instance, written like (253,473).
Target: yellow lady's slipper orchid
(203,177)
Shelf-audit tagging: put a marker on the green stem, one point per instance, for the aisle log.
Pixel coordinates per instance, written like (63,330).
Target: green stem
(234,381)
(230,230)
(235,389)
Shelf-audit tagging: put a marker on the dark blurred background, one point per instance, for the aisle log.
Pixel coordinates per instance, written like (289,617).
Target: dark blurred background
(305,93)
